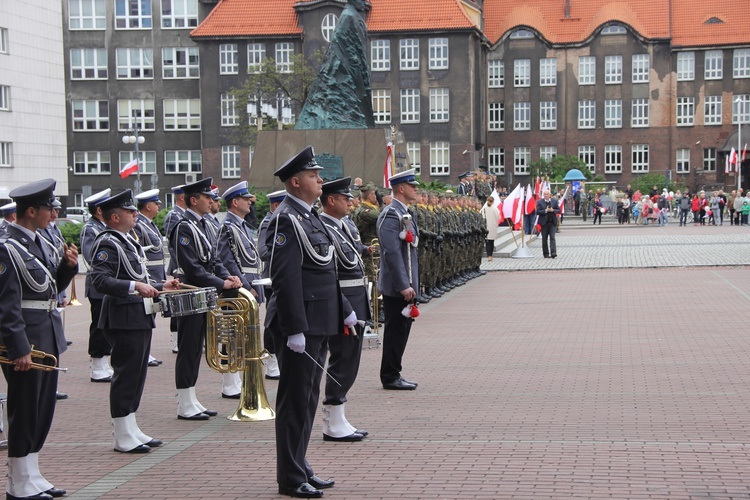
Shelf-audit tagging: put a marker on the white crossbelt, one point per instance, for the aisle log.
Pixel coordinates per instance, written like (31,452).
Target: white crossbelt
(155,262)
(248,270)
(42,305)
(350,283)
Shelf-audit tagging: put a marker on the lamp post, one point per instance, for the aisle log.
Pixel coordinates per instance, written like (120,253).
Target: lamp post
(279,101)
(740,102)
(134,138)
(258,108)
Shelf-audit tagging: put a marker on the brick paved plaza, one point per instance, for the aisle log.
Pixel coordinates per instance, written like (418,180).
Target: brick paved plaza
(626,379)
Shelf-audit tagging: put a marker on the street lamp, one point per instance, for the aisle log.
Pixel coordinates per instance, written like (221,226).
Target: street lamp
(740,112)
(279,101)
(134,138)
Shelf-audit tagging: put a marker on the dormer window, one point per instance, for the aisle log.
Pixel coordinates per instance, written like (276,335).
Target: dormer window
(714,20)
(521,33)
(614,29)
(328,26)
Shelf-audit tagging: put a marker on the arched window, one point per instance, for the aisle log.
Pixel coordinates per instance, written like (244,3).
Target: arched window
(521,33)
(614,29)
(328,26)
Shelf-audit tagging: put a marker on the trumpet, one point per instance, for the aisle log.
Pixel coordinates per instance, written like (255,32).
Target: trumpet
(35,354)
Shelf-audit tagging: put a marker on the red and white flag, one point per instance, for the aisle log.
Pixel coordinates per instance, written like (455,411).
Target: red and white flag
(530,207)
(512,205)
(561,201)
(388,167)
(538,187)
(733,157)
(727,165)
(130,168)
(744,153)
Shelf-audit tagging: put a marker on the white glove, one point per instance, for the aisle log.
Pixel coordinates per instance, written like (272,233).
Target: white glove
(351,320)
(296,342)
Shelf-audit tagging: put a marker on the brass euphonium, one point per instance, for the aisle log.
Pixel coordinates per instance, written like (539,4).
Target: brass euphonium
(233,343)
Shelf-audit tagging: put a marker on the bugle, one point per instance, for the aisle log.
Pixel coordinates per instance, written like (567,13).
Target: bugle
(35,354)
(73,299)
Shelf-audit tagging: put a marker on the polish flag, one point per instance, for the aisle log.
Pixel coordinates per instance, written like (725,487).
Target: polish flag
(733,157)
(512,204)
(530,201)
(538,187)
(388,167)
(727,167)
(561,202)
(744,152)
(130,168)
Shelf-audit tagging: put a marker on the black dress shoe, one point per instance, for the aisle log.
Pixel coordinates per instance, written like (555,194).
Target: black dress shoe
(409,382)
(210,413)
(363,432)
(154,362)
(69,342)
(302,490)
(273,377)
(197,416)
(321,484)
(141,448)
(102,380)
(56,492)
(399,385)
(60,395)
(230,396)
(38,496)
(154,443)
(553,256)
(351,438)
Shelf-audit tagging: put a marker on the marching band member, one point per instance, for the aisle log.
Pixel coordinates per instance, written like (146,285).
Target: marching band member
(345,349)
(28,291)
(99,348)
(236,250)
(120,272)
(170,222)
(196,264)
(9,216)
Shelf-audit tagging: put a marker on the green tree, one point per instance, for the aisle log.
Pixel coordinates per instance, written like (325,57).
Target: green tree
(556,168)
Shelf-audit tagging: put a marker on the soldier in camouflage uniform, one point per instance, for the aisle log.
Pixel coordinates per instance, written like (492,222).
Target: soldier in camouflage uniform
(365,217)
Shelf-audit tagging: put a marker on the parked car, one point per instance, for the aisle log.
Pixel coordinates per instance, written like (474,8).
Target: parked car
(81,214)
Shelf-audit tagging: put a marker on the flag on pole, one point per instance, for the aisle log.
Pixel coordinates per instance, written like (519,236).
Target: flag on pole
(538,187)
(530,207)
(130,168)
(511,204)
(733,157)
(388,167)
(744,152)
(561,201)
(727,165)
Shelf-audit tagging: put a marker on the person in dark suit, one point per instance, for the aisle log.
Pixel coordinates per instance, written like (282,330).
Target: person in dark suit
(121,274)
(399,276)
(547,209)
(345,349)
(305,310)
(196,264)
(29,282)
(170,222)
(99,348)
(236,249)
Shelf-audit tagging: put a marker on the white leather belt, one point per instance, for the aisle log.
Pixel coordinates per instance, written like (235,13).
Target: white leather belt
(42,305)
(248,270)
(155,262)
(350,283)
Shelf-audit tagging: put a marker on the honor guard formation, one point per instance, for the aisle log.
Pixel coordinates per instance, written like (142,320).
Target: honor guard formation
(332,263)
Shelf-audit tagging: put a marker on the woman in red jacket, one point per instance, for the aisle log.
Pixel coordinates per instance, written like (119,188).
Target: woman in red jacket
(695,206)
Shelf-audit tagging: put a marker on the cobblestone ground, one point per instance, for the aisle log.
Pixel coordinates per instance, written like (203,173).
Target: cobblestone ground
(593,375)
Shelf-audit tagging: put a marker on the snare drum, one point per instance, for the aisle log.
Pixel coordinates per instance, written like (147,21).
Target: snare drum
(185,303)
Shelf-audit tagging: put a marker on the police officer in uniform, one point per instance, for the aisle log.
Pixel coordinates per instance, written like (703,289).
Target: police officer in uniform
(170,222)
(99,348)
(9,216)
(28,291)
(345,349)
(398,280)
(120,272)
(236,250)
(196,264)
(303,312)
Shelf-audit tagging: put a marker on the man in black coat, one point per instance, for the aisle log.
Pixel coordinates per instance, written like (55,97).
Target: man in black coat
(120,272)
(29,283)
(547,209)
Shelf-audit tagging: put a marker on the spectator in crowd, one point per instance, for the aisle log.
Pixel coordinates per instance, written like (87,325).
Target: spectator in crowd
(738,207)
(714,203)
(625,210)
(695,207)
(730,203)
(491,216)
(683,202)
(703,204)
(597,208)
(618,211)
(663,207)
(745,211)
(722,204)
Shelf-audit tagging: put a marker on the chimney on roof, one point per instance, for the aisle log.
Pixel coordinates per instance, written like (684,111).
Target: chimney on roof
(567,9)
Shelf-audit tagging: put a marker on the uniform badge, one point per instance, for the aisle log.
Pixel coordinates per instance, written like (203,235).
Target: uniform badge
(280,239)
(3,268)
(184,240)
(102,255)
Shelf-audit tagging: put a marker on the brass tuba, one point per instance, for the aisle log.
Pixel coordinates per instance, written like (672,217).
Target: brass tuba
(233,343)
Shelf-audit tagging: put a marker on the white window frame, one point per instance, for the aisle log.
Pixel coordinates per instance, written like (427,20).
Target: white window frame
(90,115)
(328,26)
(522,115)
(181,114)
(440,158)
(6,154)
(496,116)
(135,63)
(380,55)
(685,110)
(414,150)
(146,160)
(88,64)
(586,114)
(229,59)
(682,160)
(640,158)
(439,105)
(522,73)
(613,113)
(641,68)
(639,113)
(521,160)
(229,116)
(256,54)
(709,159)
(685,66)
(587,154)
(712,110)
(587,70)
(548,115)
(231,163)
(612,159)
(496,160)
(741,110)
(133,19)
(183,162)
(546,153)
(92,163)
(84,15)
(496,74)
(438,53)
(179,14)
(521,34)
(381,106)
(612,69)
(142,111)
(713,67)
(410,106)
(4,98)
(741,63)
(283,58)
(614,29)
(408,54)
(548,72)
(174,69)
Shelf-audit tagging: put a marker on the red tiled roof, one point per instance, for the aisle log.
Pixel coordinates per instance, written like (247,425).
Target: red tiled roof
(417,15)
(250,18)
(690,28)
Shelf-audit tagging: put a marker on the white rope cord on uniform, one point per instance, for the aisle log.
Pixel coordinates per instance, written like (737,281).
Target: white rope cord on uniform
(18,262)
(306,246)
(346,263)
(123,259)
(251,259)
(154,247)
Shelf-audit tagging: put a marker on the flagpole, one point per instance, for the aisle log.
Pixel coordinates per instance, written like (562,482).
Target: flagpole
(511,232)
